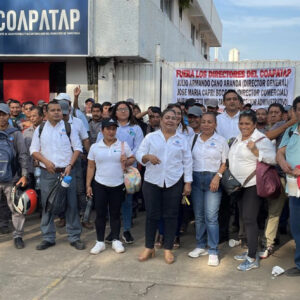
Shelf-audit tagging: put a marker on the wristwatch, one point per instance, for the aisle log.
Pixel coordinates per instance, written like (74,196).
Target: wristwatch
(220,174)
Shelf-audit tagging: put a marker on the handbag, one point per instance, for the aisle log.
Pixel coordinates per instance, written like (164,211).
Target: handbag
(230,184)
(268,184)
(132,177)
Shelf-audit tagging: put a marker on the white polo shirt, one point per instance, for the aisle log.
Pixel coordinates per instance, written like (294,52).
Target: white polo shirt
(227,126)
(174,154)
(109,170)
(54,144)
(209,155)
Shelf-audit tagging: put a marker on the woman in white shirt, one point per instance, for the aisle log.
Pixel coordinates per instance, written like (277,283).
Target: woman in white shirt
(209,153)
(167,157)
(243,156)
(187,131)
(107,163)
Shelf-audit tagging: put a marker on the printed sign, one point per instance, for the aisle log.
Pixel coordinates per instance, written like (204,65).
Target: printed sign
(44,27)
(260,87)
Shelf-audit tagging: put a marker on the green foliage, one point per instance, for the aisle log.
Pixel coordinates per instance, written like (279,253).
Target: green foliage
(184,4)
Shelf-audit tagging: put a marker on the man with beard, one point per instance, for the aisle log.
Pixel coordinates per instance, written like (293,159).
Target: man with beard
(262,116)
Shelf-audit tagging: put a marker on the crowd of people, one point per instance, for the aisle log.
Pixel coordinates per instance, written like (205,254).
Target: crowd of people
(182,154)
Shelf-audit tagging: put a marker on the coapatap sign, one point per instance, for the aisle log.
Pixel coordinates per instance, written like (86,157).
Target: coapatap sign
(260,87)
(44,27)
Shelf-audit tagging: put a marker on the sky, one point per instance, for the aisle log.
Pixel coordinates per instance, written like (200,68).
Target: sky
(260,29)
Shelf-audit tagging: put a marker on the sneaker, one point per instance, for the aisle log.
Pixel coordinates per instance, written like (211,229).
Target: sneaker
(242,256)
(127,237)
(198,252)
(109,239)
(118,246)
(213,260)
(266,252)
(19,244)
(248,264)
(99,247)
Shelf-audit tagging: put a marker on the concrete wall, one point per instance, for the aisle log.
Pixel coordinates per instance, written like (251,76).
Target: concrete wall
(115,28)
(157,28)
(132,28)
(76,73)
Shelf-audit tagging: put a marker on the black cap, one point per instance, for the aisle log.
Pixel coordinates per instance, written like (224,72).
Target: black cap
(109,122)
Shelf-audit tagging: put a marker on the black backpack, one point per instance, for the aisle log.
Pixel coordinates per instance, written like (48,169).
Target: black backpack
(67,127)
(7,155)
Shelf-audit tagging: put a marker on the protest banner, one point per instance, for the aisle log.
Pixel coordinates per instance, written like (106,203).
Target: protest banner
(260,87)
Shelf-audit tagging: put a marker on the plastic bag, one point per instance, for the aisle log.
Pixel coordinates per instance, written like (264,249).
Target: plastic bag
(57,199)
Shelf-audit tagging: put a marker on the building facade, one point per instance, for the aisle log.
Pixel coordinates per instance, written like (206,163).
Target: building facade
(83,42)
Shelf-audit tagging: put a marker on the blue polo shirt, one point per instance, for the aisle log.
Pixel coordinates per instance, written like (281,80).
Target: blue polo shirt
(292,152)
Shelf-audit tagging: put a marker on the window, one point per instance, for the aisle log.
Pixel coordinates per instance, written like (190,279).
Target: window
(204,49)
(166,7)
(193,31)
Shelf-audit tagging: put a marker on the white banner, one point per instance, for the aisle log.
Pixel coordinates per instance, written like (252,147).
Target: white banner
(260,87)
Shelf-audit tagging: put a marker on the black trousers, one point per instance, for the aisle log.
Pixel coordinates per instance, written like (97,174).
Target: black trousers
(249,205)
(162,203)
(104,197)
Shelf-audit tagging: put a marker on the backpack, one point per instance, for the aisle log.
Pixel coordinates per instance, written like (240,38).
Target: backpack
(67,126)
(7,155)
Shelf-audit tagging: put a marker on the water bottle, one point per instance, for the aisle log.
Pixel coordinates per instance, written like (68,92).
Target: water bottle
(37,175)
(66,181)
(233,243)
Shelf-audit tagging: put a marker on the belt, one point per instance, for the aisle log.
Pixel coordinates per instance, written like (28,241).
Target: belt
(57,170)
(207,173)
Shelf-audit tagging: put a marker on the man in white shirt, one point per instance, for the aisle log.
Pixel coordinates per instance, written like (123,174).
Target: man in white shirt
(227,122)
(57,153)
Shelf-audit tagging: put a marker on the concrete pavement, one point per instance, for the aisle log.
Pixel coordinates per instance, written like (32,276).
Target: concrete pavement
(62,272)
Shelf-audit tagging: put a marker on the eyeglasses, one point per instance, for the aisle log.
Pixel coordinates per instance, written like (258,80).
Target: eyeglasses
(122,109)
(154,117)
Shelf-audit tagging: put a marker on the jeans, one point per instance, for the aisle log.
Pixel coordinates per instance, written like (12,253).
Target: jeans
(80,185)
(206,208)
(127,212)
(162,203)
(295,226)
(73,226)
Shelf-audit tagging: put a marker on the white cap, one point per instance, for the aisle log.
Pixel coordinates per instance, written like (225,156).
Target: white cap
(63,96)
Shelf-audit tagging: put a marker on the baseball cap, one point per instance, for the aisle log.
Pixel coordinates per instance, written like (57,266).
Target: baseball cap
(65,107)
(41,102)
(130,100)
(89,100)
(63,96)
(212,103)
(195,111)
(109,122)
(4,108)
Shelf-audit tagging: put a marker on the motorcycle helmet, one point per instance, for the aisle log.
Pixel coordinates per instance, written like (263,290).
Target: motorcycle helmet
(24,202)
